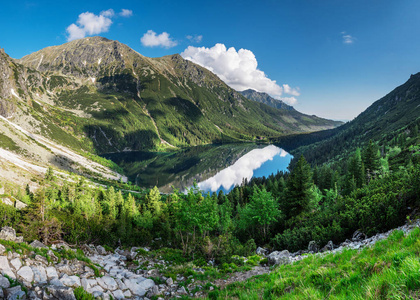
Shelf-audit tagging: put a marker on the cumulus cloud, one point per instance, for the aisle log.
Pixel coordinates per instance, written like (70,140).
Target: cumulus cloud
(195,38)
(347,38)
(89,23)
(238,69)
(244,167)
(126,13)
(151,39)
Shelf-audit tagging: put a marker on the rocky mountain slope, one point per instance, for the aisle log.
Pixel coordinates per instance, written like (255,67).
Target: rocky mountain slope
(266,99)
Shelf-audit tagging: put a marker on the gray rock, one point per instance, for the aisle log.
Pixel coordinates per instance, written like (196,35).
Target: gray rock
(16,263)
(70,281)
(8,234)
(313,247)
(1,294)
(15,293)
(4,282)
(134,287)
(53,257)
(181,291)
(62,293)
(261,251)
(279,258)
(19,239)
(118,294)
(56,282)
(85,284)
(153,291)
(169,281)
(26,274)
(37,244)
(127,294)
(101,250)
(64,269)
(358,236)
(2,249)
(41,259)
(51,273)
(40,275)
(107,283)
(328,247)
(147,284)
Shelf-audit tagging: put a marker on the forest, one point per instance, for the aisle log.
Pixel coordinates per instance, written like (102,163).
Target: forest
(372,189)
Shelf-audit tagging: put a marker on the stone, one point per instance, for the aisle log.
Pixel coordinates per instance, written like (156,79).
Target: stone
(134,287)
(147,284)
(153,291)
(26,274)
(16,263)
(64,269)
(101,250)
(181,291)
(4,282)
(70,281)
(107,283)
(37,244)
(95,288)
(358,236)
(127,294)
(261,251)
(121,284)
(41,259)
(40,275)
(1,294)
(118,294)
(62,293)
(313,247)
(85,284)
(51,273)
(169,281)
(328,247)
(19,239)
(279,258)
(53,257)
(8,234)
(2,249)
(56,282)
(15,293)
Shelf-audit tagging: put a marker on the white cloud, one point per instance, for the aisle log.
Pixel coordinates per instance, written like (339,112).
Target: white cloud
(151,39)
(238,69)
(244,167)
(195,38)
(108,13)
(347,38)
(126,13)
(89,23)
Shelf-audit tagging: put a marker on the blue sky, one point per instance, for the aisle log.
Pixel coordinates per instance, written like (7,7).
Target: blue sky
(332,58)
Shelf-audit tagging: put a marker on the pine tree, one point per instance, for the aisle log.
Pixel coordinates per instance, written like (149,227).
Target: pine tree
(298,192)
(371,160)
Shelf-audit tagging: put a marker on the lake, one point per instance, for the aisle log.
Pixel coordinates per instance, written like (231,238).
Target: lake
(213,167)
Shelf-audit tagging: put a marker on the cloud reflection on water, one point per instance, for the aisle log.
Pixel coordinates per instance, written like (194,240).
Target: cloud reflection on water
(244,167)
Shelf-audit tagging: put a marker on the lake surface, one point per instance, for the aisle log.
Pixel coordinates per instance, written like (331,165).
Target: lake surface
(213,167)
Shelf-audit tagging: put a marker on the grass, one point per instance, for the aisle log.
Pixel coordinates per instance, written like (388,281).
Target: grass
(388,270)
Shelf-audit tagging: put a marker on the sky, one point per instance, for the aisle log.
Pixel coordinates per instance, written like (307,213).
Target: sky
(331,58)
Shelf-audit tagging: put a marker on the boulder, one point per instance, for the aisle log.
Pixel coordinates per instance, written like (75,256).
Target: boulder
(40,275)
(55,281)
(15,293)
(279,258)
(37,244)
(2,249)
(134,287)
(5,267)
(358,236)
(118,294)
(16,263)
(169,281)
(62,293)
(147,284)
(313,247)
(261,251)
(4,282)
(107,283)
(51,273)
(70,281)
(8,234)
(328,247)
(26,274)
(101,250)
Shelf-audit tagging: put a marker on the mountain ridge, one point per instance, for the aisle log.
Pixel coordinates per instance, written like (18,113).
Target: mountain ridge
(266,99)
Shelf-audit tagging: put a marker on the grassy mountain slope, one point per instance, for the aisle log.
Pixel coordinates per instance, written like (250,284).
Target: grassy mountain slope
(384,120)
(127,101)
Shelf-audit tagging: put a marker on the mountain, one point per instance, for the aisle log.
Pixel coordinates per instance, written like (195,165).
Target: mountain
(266,99)
(390,117)
(120,100)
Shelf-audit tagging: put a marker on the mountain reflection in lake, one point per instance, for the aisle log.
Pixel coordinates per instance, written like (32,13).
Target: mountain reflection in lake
(257,163)
(202,164)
